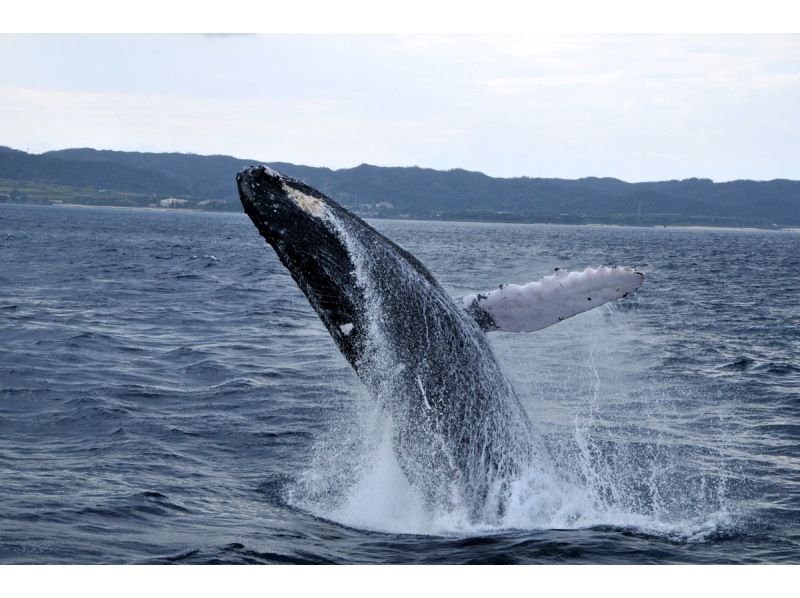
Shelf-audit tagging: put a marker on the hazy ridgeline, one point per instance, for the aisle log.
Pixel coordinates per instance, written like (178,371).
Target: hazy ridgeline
(207,182)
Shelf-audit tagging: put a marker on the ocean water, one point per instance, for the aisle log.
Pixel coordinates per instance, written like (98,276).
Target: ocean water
(167,395)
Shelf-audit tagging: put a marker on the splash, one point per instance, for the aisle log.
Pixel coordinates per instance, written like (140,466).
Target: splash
(598,454)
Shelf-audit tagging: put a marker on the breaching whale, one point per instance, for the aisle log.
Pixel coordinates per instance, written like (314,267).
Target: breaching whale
(459,433)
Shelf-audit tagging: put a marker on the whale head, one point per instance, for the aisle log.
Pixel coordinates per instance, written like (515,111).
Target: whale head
(304,228)
(281,207)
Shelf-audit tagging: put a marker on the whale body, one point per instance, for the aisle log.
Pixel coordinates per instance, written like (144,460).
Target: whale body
(459,432)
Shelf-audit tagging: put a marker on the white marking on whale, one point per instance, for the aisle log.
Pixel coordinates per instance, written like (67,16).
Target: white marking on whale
(307,203)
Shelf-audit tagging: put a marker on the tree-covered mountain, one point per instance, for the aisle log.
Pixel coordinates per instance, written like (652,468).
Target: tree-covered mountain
(53,168)
(134,178)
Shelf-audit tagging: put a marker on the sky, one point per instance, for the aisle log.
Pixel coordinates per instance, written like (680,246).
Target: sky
(635,107)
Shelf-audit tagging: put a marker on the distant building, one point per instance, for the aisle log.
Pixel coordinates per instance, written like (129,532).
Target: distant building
(172,202)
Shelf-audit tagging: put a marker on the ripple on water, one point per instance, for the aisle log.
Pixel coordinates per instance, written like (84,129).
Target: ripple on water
(166,392)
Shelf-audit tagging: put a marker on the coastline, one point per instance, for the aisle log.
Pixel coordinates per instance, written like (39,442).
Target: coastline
(686,227)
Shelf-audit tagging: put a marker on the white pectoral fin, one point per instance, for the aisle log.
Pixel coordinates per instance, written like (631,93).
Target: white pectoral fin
(536,305)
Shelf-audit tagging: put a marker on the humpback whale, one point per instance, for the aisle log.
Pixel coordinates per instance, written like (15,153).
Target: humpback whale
(459,433)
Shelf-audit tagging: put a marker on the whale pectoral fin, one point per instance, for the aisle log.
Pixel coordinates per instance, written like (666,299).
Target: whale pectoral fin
(536,305)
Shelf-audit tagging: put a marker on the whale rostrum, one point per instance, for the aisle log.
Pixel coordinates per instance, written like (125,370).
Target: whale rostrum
(459,432)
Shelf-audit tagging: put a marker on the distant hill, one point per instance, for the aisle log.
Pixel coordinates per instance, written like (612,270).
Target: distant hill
(134,178)
(54,168)
(205,177)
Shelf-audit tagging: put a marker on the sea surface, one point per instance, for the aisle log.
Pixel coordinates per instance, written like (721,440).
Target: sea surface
(167,395)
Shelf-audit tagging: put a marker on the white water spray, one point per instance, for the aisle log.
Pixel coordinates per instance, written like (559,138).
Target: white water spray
(588,461)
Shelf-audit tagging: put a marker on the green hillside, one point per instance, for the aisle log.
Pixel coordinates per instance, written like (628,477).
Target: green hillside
(208,182)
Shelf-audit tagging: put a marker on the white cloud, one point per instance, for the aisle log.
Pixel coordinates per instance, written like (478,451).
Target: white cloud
(636,107)
(319,132)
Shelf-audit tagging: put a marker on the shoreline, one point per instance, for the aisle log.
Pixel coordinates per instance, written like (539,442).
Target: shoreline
(687,227)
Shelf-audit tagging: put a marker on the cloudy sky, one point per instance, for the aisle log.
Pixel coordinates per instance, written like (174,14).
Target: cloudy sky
(647,107)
